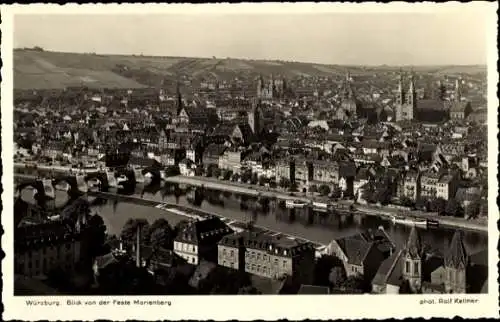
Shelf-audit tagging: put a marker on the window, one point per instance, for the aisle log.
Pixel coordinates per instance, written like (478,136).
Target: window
(284,263)
(258,256)
(193,260)
(407,267)
(415,268)
(253,267)
(232,253)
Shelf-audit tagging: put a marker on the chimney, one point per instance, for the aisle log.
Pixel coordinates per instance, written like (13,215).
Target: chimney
(138,247)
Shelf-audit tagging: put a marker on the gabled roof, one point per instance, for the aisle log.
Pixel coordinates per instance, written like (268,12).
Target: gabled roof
(355,248)
(389,271)
(144,162)
(204,230)
(313,290)
(414,244)
(430,104)
(456,255)
(105,260)
(458,106)
(215,149)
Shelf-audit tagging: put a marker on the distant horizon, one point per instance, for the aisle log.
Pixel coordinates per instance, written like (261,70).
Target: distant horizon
(240,58)
(347,39)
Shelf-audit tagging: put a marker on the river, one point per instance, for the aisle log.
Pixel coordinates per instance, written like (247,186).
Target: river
(115,214)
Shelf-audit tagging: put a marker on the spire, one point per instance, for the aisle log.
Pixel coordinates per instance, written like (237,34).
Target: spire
(261,80)
(456,256)
(414,244)
(412,82)
(400,85)
(179,98)
(458,90)
(348,93)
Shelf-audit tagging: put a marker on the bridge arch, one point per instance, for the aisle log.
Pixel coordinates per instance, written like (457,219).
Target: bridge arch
(155,171)
(102,177)
(129,173)
(35,184)
(76,187)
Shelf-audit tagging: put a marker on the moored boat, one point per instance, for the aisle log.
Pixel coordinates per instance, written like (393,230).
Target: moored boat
(111,178)
(295,204)
(93,184)
(121,180)
(410,221)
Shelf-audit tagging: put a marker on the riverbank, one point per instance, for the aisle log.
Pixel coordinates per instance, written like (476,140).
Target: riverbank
(380,211)
(195,213)
(370,210)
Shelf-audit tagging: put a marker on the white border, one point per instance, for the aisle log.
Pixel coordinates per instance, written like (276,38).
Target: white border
(250,307)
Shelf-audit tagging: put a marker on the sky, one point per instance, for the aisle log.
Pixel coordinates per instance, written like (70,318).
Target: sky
(333,38)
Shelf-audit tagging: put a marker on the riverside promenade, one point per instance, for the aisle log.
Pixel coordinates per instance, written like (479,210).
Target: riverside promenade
(380,211)
(253,190)
(195,213)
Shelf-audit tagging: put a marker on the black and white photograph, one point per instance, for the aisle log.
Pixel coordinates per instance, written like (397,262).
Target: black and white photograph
(167,154)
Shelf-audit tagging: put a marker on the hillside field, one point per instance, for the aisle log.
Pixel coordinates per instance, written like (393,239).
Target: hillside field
(54,70)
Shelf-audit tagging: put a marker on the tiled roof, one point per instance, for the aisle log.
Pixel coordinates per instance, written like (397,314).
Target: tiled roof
(144,162)
(263,240)
(204,231)
(355,248)
(215,149)
(389,271)
(414,244)
(458,106)
(201,272)
(105,260)
(313,290)
(456,255)
(430,104)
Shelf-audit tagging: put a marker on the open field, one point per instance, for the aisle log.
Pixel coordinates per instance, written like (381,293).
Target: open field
(52,70)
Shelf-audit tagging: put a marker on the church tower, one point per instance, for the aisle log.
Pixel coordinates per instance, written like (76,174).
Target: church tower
(401,92)
(348,92)
(412,261)
(260,85)
(179,99)
(271,87)
(411,97)
(456,262)
(458,91)
(254,117)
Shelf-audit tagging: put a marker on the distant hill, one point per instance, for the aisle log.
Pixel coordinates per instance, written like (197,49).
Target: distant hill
(38,69)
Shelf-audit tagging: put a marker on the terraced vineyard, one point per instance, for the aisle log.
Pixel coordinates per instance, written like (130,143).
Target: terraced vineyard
(35,69)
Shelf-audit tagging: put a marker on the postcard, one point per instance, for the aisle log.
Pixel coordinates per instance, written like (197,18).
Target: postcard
(249,161)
